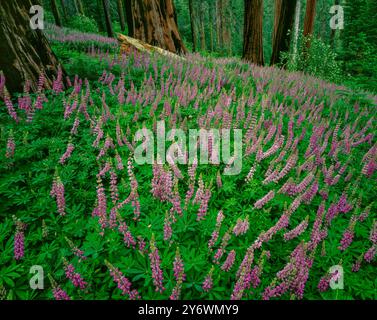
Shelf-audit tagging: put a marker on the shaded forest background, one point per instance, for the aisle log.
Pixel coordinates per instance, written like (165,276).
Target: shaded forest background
(215,27)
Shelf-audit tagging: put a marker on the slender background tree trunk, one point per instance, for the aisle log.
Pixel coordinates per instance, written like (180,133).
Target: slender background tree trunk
(99,16)
(80,7)
(253,32)
(64,9)
(192,24)
(202,31)
(106,10)
(128,11)
(56,14)
(210,21)
(297,30)
(121,15)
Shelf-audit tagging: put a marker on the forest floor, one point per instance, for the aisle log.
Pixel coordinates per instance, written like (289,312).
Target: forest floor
(74,201)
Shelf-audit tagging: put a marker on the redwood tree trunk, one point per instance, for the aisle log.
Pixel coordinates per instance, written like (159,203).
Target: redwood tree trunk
(253,32)
(192,24)
(121,15)
(309,17)
(56,14)
(106,10)
(25,53)
(282,38)
(154,23)
(276,18)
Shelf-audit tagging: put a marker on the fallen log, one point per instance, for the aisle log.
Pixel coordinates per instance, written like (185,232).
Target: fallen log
(127,44)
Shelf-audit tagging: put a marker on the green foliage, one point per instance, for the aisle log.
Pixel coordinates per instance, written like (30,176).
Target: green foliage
(318,60)
(83,24)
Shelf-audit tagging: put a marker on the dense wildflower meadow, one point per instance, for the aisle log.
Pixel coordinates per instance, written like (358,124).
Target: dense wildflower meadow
(74,201)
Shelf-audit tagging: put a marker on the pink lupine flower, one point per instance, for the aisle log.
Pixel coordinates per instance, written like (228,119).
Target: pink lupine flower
(155,263)
(67,154)
(364,215)
(60,294)
(309,194)
(168,232)
(75,277)
(75,126)
(75,250)
(346,240)
(215,233)
(343,206)
(250,175)
(228,264)
(208,282)
(218,180)
(204,204)
(179,275)
(119,162)
(10,108)
(356,266)
(324,282)
(128,239)
(261,202)
(19,244)
(57,85)
(241,226)
(220,251)
(369,168)
(114,187)
(293,276)
(370,254)
(57,192)
(101,203)
(162,183)
(348,235)
(294,233)
(122,282)
(11,145)
(141,244)
(253,277)
(178,267)
(242,274)
(106,168)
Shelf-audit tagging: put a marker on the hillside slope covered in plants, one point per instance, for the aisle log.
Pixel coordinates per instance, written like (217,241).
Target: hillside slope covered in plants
(103,227)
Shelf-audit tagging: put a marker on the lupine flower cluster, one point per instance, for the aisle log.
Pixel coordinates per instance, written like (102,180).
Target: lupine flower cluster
(75,277)
(57,192)
(208,281)
(179,275)
(11,146)
(122,282)
(155,262)
(19,240)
